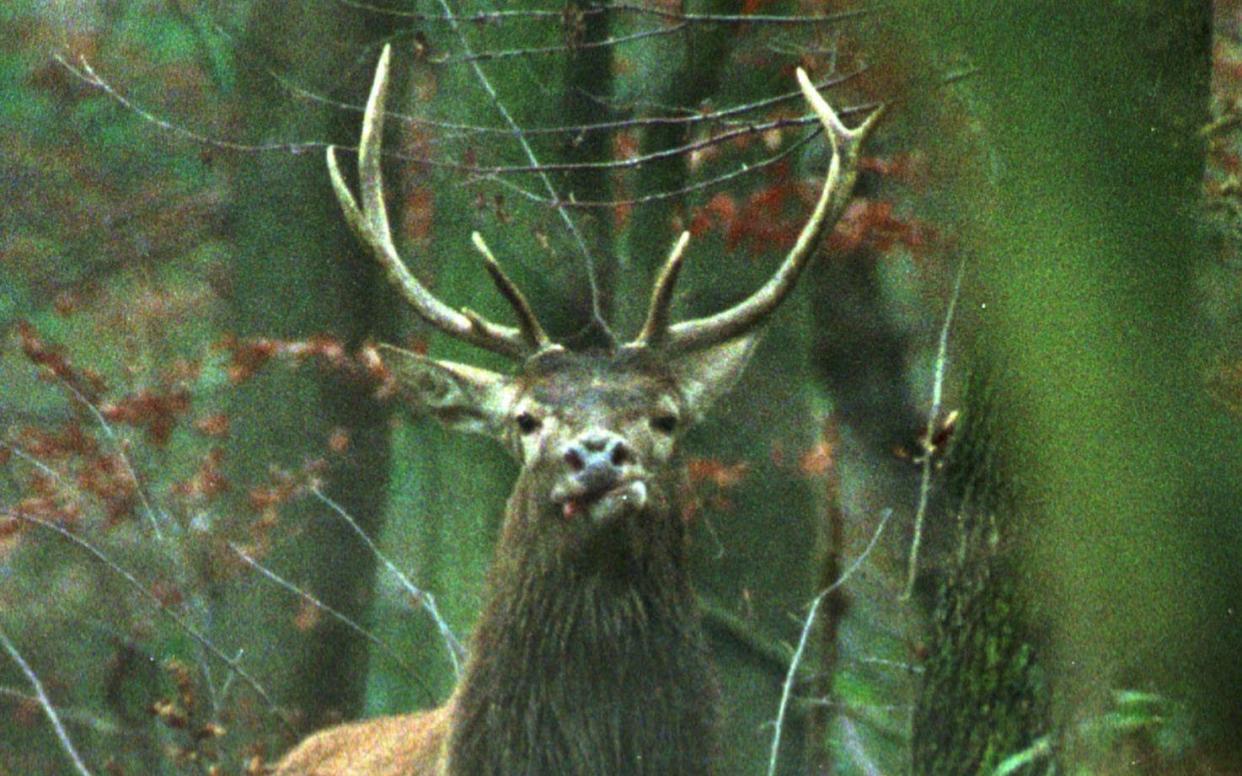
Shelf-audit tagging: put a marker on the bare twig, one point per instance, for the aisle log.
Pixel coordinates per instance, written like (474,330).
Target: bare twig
(457,652)
(710,183)
(486,83)
(690,117)
(33,461)
(856,707)
(655,156)
(787,689)
(740,18)
(854,746)
(120,451)
(933,418)
(492,173)
(911,668)
(46,703)
(71,716)
(832,539)
(483,18)
(86,73)
(487,56)
(206,643)
(721,619)
(333,612)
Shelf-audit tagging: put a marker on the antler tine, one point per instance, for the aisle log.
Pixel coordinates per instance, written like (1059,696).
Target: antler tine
(656,328)
(532,333)
(370,223)
(839,182)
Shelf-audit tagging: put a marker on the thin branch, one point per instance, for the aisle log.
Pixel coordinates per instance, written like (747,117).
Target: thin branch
(33,461)
(495,172)
(745,168)
(735,132)
(831,537)
(120,451)
(223,692)
(480,18)
(910,668)
(691,116)
(858,753)
(855,708)
(655,156)
(756,19)
(46,703)
(787,690)
(596,313)
(206,643)
(719,618)
(457,652)
(742,169)
(334,613)
(87,74)
(71,716)
(487,56)
(933,417)
(484,18)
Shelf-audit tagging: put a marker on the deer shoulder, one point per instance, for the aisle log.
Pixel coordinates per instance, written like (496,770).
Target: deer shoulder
(588,657)
(401,745)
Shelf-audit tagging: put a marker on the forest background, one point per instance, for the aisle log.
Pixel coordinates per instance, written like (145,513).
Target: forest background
(974,508)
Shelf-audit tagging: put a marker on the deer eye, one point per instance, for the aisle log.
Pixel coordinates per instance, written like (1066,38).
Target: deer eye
(527,423)
(665,424)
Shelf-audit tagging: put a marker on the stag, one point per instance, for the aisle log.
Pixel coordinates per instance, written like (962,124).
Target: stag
(589,656)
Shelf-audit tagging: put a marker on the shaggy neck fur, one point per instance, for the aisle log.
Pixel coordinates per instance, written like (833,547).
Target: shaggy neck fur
(589,657)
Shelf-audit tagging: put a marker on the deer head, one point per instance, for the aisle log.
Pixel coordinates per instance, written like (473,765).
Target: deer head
(594,432)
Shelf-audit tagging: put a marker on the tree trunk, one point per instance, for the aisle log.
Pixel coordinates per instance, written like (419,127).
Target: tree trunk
(1087,297)
(982,696)
(300,273)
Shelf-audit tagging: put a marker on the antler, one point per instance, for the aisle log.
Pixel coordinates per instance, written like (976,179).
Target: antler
(370,224)
(744,316)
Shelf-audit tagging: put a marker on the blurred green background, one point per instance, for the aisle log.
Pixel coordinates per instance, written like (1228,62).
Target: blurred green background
(184,416)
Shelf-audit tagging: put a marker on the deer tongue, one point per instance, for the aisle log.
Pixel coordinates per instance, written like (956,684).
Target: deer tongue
(602,506)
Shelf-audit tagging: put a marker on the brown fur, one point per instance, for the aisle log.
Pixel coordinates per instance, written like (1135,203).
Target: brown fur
(589,659)
(404,745)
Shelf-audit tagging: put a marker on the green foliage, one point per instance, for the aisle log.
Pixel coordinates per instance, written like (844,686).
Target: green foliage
(165,39)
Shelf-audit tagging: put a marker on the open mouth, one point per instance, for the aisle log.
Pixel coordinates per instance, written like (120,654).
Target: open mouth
(603,504)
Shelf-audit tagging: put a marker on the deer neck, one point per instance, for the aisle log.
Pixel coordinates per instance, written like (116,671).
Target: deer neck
(588,661)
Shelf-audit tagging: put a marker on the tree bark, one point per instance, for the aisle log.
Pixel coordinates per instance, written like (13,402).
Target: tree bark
(299,273)
(983,695)
(1086,294)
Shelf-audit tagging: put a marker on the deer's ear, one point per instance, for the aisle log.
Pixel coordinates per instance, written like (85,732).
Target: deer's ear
(705,375)
(462,397)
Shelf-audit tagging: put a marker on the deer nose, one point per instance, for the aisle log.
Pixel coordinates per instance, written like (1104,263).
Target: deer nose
(597,459)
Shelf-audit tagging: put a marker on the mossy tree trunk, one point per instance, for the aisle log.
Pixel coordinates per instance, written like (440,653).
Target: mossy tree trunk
(1086,294)
(983,695)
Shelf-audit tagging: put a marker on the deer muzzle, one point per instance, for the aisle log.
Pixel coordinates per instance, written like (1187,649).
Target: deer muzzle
(601,479)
